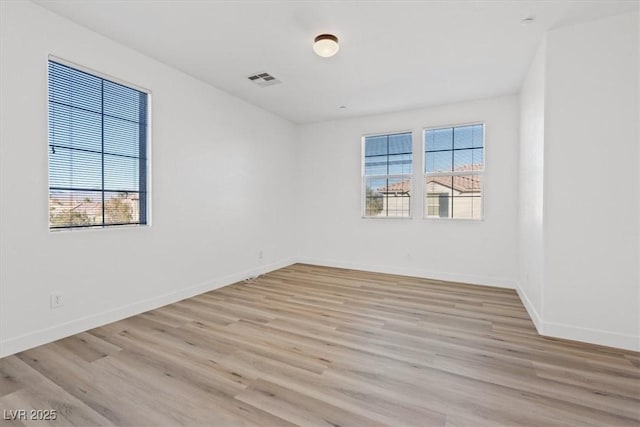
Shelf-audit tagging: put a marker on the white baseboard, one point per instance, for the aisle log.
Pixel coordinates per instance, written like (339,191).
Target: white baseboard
(56,332)
(593,336)
(576,333)
(498,282)
(531,310)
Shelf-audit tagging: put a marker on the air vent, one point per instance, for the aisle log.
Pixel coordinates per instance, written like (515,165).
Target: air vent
(263,79)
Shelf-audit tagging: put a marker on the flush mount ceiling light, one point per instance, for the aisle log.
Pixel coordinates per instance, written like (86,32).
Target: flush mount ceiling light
(326,45)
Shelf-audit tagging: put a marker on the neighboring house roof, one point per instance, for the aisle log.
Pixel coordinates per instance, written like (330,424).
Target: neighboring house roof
(463,184)
(398,187)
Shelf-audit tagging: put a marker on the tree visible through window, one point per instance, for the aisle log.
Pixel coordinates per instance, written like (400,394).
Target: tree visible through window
(97,151)
(387,175)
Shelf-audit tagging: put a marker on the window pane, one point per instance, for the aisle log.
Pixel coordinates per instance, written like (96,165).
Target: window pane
(376,145)
(121,208)
(463,137)
(454,196)
(398,205)
(439,161)
(74,88)
(462,160)
(467,207)
(400,164)
(478,136)
(74,128)
(375,165)
(397,197)
(74,169)
(471,159)
(374,202)
(467,197)
(435,185)
(121,137)
(400,143)
(388,154)
(389,197)
(121,173)
(122,102)
(75,208)
(439,139)
(478,157)
(467,184)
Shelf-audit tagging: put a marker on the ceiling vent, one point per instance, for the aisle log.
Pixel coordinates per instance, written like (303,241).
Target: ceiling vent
(263,79)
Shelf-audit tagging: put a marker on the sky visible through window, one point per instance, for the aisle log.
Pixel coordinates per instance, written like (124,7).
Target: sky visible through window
(388,154)
(447,150)
(454,148)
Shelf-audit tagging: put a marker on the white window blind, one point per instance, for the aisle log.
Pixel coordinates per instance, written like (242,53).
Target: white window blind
(97,151)
(387,175)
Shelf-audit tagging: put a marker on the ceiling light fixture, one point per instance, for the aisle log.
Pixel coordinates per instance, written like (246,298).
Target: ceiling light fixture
(326,45)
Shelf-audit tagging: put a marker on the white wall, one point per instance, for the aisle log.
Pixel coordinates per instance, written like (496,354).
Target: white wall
(531,184)
(591,240)
(332,232)
(221,190)
(590,232)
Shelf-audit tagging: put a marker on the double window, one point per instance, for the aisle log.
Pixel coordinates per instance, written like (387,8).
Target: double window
(387,175)
(453,173)
(97,150)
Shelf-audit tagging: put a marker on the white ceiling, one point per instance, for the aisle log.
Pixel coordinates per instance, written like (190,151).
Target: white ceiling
(394,55)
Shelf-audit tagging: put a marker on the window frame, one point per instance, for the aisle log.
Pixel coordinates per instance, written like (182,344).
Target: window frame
(148,148)
(363,177)
(482,173)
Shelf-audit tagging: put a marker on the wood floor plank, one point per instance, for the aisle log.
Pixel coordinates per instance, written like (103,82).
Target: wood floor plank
(15,375)
(349,396)
(317,346)
(88,347)
(69,411)
(299,408)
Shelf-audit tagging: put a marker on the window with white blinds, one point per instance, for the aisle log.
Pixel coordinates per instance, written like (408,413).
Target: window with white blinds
(388,163)
(97,151)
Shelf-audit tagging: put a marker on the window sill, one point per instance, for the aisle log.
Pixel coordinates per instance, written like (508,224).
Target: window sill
(386,217)
(454,219)
(62,230)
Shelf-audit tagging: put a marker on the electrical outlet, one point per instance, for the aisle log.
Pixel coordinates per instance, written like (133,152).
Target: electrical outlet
(56,300)
(260,254)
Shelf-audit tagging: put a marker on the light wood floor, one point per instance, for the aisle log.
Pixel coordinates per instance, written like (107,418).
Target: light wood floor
(311,345)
